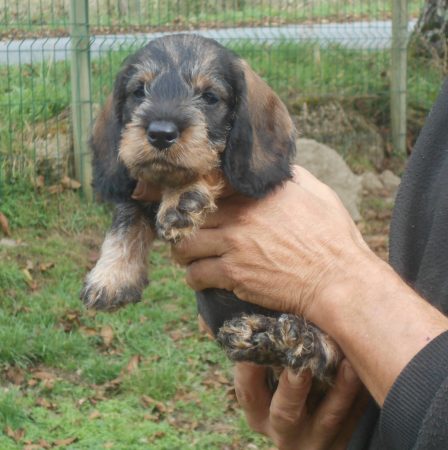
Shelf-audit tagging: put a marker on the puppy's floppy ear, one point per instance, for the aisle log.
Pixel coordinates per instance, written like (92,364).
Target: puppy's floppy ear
(261,143)
(111,179)
(119,92)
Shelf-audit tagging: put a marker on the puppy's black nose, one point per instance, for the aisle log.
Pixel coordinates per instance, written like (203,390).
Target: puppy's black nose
(162,133)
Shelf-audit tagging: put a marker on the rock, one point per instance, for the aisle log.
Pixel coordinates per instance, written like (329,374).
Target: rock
(385,184)
(52,155)
(52,141)
(390,181)
(329,167)
(7,242)
(371,183)
(356,139)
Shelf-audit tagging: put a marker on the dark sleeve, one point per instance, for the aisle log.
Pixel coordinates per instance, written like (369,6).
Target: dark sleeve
(415,413)
(419,228)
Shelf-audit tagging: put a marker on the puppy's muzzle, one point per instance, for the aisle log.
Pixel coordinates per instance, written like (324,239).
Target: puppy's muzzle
(162,134)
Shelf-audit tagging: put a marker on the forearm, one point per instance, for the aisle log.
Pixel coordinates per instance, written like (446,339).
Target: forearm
(379,322)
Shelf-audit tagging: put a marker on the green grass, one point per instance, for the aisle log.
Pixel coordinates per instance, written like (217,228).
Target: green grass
(53,15)
(44,329)
(35,99)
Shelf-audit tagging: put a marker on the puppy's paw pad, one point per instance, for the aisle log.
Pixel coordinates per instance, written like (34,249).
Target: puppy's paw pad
(174,225)
(250,338)
(194,202)
(286,341)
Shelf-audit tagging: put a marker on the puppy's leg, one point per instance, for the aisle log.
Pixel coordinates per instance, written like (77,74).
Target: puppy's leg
(182,211)
(121,273)
(286,341)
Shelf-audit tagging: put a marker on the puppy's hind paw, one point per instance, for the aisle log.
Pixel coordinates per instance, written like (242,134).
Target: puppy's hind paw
(285,341)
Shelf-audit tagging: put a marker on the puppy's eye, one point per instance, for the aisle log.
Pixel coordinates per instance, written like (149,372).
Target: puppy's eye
(139,92)
(210,98)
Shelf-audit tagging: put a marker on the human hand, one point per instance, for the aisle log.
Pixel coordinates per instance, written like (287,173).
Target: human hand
(283,415)
(281,251)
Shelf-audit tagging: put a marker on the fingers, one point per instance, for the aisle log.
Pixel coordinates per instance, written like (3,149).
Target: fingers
(253,394)
(310,183)
(146,192)
(337,404)
(208,273)
(204,244)
(288,406)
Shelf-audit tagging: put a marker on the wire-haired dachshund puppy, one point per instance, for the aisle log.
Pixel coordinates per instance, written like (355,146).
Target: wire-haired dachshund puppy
(184,113)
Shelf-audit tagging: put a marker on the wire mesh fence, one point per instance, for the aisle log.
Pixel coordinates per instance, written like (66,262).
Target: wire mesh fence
(329,60)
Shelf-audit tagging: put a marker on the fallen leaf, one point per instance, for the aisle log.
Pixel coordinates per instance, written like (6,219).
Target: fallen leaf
(221,379)
(4,225)
(88,331)
(44,403)
(149,402)
(69,183)
(65,442)
(43,375)
(156,435)
(133,364)
(15,435)
(44,267)
(94,415)
(15,375)
(81,402)
(107,333)
(55,189)
(177,335)
(39,181)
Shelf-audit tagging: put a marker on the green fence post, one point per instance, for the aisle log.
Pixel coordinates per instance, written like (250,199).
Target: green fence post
(398,78)
(81,92)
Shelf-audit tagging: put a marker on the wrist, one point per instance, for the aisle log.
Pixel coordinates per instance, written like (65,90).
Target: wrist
(341,285)
(379,322)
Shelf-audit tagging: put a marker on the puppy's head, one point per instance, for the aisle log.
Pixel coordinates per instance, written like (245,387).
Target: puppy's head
(186,105)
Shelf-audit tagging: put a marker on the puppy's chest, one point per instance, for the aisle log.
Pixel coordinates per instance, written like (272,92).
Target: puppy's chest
(165,175)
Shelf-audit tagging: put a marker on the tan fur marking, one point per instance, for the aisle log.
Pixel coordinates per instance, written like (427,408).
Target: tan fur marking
(171,199)
(186,160)
(268,114)
(123,262)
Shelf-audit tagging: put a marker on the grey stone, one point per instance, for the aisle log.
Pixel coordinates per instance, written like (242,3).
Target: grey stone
(371,183)
(355,138)
(384,184)
(390,181)
(329,167)
(6,242)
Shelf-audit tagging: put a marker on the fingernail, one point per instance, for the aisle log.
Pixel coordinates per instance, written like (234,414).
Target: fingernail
(300,379)
(349,374)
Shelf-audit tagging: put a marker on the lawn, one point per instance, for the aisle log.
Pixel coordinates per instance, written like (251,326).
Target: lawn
(46,17)
(35,98)
(140,377)
(143,376)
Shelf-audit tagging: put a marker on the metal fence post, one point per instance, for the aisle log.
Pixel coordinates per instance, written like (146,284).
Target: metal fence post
(398,81)
(81,92)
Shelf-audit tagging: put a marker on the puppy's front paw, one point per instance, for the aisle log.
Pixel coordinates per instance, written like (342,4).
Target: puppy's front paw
(103,298)
(180,218)
(286,341)
(109,288)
